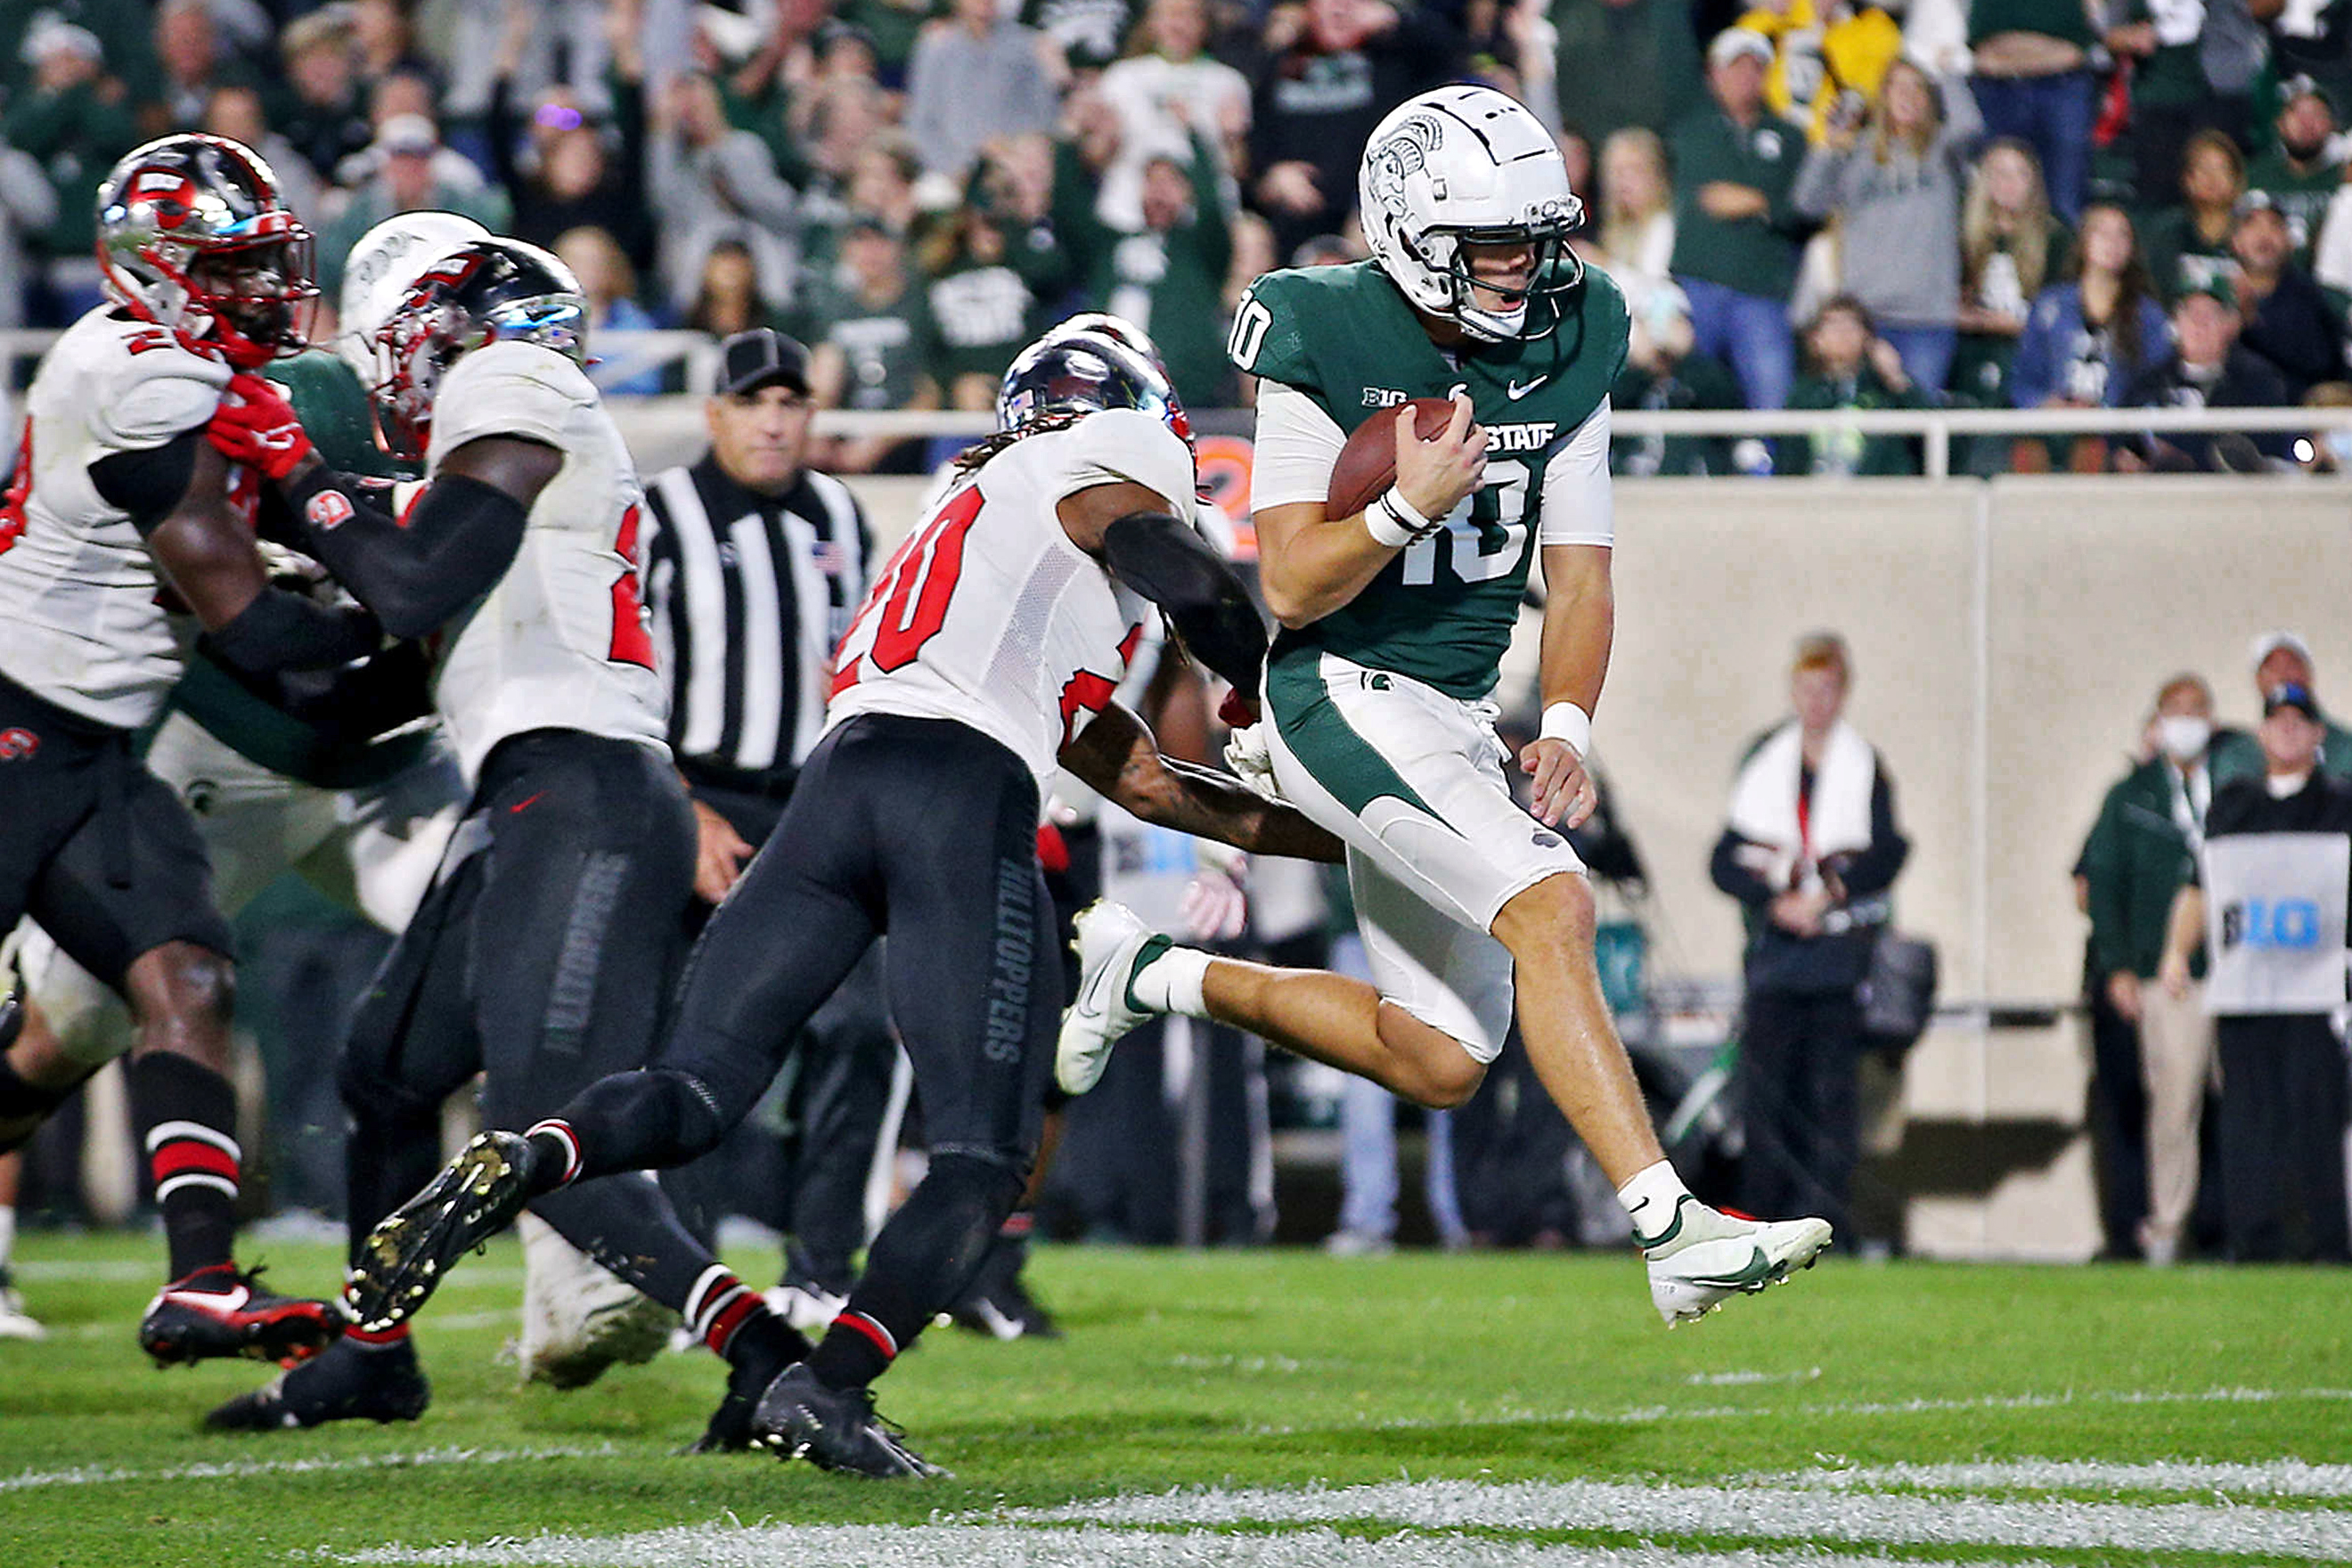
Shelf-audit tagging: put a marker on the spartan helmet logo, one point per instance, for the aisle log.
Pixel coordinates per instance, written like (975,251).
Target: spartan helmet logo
(1404,154)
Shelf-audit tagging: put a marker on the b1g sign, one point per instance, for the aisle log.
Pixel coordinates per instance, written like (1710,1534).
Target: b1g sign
(2274,917)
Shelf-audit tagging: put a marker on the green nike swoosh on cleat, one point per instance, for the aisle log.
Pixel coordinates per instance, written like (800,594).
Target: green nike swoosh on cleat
(1144,957)
(1760,1271)
(1673,1227)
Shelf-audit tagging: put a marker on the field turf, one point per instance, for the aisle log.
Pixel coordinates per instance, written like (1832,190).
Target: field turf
(1272,1408)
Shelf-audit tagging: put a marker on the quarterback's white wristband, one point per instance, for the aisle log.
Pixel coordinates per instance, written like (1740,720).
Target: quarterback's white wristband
(1566,721)
(1395,521)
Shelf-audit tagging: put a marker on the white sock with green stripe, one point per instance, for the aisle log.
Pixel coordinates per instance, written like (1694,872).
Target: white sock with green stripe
(1170,980)
(1654,1198)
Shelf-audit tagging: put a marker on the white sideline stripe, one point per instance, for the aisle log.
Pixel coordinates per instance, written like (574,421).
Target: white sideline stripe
(1652,1414)
(108,1475)
(985,1546)
(1768,1514)
(2277,1477)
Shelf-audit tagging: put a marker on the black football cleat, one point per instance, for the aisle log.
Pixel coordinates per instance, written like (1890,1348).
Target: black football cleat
(349,1383)
(834,1428)
(730,1430)
(223,1311)
(476,1195)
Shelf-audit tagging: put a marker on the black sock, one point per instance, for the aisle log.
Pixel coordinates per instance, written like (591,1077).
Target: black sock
(764,1345)
(185,1116)
(922,1260)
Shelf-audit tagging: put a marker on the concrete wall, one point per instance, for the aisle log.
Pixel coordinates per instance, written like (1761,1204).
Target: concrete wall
(2008,640)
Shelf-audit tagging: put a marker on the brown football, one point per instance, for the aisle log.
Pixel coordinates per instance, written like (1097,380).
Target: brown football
(1367,464)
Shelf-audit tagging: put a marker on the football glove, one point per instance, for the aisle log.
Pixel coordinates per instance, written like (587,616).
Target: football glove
(257,427)
(1246,753)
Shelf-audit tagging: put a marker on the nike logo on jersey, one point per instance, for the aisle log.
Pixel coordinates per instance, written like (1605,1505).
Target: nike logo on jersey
(1514,391)
(220,1304)
(519,807)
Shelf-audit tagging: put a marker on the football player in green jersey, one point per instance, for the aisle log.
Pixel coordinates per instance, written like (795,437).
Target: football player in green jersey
(1394,623)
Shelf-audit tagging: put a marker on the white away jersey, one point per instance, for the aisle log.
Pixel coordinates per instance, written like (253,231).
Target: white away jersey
(989,616)
(80,621)
(564,641)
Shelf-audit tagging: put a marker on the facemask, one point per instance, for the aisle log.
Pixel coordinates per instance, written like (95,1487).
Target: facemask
(2183,736)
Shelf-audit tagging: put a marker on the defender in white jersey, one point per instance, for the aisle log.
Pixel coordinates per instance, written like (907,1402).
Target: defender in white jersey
(119,514)
(992,643)
(543,954)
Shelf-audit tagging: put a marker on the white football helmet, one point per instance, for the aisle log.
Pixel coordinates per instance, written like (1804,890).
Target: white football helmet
(384,264)
(1468,163)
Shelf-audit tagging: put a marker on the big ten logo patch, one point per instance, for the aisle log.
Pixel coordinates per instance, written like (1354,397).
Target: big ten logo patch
(17,744)
(2286,924)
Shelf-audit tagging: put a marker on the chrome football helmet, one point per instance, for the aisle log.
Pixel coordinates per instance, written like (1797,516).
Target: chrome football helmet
(484,291)
(383,263)
(1093,361)
(193,236)
(1461,166)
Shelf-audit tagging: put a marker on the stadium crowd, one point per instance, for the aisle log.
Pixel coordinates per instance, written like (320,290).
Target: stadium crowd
(1813,204)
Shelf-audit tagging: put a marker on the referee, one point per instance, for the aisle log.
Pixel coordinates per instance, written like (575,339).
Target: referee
(753,565)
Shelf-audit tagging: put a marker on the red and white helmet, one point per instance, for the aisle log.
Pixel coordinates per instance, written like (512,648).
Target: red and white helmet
(193,235)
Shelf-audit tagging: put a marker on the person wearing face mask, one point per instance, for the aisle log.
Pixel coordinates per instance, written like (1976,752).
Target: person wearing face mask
(2275,874)
(2139,855)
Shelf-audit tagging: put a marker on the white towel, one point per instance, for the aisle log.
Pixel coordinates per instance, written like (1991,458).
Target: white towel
(1764,802)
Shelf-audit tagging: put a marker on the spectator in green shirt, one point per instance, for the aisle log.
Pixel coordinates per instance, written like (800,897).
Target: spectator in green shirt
(2300,169)
(2193,64)
(1736,231)
(867,335)
(1168,275)
(71,120)
(1624,63)
(2187,246)
(1850,366)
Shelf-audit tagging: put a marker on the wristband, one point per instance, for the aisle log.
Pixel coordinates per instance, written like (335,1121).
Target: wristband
(1566,721)
(1395,521)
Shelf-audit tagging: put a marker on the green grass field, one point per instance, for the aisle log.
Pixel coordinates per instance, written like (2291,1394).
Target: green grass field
(1511,1409)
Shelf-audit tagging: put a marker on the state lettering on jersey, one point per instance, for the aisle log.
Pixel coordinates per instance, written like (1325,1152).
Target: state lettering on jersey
(1443,611)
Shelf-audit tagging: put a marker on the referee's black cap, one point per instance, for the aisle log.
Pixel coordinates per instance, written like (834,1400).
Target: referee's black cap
(761,357)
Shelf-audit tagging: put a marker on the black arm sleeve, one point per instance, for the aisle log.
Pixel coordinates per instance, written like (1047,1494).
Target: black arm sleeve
(1174,568)
(286,631)
(459,539)
(148,483)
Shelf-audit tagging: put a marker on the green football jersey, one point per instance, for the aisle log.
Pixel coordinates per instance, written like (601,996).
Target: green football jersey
(333,409)
(1442,612)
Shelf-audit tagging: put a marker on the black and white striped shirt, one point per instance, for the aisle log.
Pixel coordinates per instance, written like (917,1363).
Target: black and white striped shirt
(750,593)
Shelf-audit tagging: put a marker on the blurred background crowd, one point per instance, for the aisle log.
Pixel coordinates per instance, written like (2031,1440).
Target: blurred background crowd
(1812,204)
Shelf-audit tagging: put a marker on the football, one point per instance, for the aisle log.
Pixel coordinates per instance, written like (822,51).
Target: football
(1367,464)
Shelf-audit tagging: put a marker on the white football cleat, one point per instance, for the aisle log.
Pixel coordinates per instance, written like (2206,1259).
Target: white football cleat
(16,1324)
(1111,945)
(1704,1257)
(578,1319)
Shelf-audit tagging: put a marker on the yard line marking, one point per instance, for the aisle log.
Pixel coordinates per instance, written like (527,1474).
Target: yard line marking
(109,1475)
(2276,1478)
(1764,1513)
(939,1546)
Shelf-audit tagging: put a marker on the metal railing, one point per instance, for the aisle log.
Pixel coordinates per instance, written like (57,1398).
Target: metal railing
(623,356)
